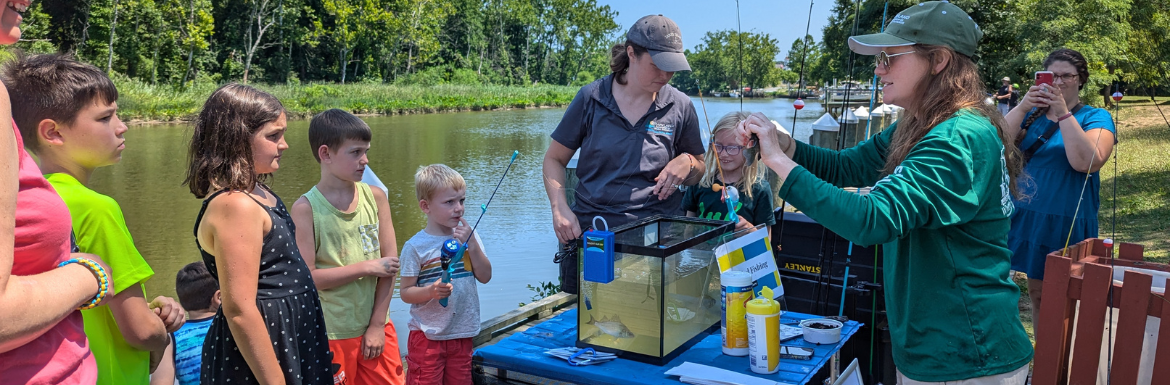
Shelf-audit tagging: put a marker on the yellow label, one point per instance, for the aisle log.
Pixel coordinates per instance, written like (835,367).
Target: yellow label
(735,331)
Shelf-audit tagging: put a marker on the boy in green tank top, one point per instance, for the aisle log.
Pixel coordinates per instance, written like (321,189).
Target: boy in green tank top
(346,236)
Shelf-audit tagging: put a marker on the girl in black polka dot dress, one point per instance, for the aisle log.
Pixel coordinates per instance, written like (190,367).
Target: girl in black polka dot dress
(270,329)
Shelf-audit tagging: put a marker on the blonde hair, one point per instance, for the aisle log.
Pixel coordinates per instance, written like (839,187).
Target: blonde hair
(751,168)
(430,179)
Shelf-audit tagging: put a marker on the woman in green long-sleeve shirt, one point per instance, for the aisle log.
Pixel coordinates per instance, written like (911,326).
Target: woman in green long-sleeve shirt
(943,178)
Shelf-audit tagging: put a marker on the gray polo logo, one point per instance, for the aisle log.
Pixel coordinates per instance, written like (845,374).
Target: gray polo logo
(654,127)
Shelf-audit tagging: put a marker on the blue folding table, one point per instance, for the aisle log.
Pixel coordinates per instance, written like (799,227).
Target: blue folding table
(524,353)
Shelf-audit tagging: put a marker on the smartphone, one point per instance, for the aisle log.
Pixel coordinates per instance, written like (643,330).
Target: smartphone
(1044,77)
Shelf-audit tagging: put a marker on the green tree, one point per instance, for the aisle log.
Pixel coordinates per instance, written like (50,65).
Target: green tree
(1092,27)
(730,60)
(800,57)
(1146,63)
(195,29)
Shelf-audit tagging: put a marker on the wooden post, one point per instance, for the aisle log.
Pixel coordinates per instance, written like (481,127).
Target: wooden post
(1131,326)
(1090,322)
(1052,329)
(1161,362)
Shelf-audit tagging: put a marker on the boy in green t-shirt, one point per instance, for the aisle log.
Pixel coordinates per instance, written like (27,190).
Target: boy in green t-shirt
(346,235)
(69,119)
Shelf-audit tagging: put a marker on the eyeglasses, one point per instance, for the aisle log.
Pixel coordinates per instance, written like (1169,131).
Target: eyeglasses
(883,58)
(729,150)
(1067,78)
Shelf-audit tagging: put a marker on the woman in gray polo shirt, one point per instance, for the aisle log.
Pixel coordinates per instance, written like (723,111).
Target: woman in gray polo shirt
(639,140)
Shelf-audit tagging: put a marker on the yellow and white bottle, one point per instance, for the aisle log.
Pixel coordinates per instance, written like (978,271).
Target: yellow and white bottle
(763,322)
(737,291)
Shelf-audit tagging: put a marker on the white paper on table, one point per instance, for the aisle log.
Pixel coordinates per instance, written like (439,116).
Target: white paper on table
(693,373)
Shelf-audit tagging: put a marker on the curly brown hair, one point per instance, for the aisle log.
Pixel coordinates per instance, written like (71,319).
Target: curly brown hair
(957,87)
(220,157)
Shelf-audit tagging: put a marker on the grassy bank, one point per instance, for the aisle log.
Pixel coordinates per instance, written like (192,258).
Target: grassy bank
(144,102)
(1142,179)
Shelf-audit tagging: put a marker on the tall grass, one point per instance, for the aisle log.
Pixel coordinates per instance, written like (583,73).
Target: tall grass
(146,102)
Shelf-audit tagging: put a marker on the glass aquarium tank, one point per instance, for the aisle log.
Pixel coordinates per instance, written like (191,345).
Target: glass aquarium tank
(665,292)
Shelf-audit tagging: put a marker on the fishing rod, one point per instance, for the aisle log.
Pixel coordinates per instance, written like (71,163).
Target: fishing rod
(825,275)
(797,106)
(725,190)
(873,93)
(453,249)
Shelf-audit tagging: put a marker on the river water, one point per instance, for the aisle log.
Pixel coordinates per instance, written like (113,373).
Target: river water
(517,230)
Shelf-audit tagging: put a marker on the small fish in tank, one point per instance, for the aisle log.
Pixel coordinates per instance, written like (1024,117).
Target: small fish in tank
(611,326)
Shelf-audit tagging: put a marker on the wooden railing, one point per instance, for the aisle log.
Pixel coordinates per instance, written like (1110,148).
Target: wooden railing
(1084,275)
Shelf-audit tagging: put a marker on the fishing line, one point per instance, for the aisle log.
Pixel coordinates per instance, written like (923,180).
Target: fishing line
(825,276)
(739,35)
(711,133)
(483,207)
(799,91)
(1088,176)
(1116,149)
(803,56)
(718,163)
(873,94)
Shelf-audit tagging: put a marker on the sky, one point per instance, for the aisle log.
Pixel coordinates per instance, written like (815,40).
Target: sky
(784,20)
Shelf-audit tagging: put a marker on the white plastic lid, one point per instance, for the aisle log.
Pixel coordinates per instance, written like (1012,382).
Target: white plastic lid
(735,278)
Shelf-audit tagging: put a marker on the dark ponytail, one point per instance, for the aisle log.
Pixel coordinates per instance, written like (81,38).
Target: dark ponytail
(619,61)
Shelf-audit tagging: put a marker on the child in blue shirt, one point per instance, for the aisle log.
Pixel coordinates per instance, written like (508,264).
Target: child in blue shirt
(199,294)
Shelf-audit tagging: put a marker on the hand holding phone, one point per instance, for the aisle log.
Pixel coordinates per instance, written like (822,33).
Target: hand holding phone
(1044,82)
(1044,77)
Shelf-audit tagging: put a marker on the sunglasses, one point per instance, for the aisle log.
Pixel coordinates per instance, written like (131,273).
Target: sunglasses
(883,58)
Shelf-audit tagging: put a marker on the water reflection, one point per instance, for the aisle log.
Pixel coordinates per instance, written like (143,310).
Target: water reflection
(517,230)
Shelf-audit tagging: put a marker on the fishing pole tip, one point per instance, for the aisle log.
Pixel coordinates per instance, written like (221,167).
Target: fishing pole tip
(515,153)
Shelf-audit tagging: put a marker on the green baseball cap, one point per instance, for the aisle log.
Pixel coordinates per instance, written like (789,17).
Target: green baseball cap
(931,23)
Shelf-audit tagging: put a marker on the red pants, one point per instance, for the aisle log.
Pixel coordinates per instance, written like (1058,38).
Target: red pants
(349,368)
(437,362)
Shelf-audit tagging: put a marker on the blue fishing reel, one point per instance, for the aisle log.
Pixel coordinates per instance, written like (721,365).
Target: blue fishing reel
(447,253)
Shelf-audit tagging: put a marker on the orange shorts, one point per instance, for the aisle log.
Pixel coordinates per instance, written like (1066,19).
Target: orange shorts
(349,368)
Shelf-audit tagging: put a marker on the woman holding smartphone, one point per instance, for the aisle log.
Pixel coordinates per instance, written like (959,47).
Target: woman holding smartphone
(1061,139)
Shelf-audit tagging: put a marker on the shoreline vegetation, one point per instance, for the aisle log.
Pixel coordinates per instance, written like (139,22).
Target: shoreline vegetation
(140,103)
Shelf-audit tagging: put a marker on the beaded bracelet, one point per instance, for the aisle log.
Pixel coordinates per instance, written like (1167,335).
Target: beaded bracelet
(100,273)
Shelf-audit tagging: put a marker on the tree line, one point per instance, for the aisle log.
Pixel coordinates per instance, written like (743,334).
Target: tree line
(1124,41)
(560,42)
(509,42)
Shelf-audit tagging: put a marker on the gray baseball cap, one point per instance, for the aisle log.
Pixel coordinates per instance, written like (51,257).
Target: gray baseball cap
(931,22)
(659,35)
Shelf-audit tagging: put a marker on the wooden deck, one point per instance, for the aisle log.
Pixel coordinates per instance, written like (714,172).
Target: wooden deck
(517,321)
